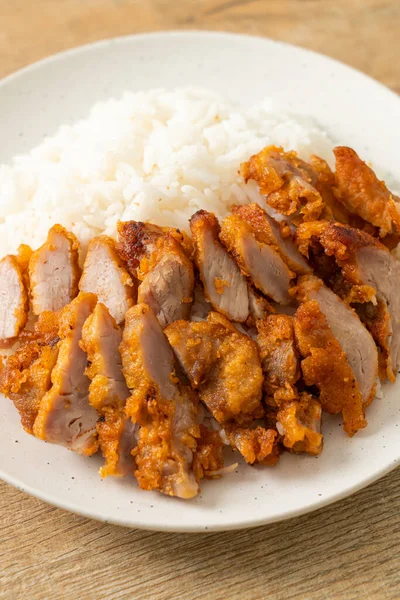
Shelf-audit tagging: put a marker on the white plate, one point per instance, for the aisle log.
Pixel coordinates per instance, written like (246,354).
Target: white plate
(358,112)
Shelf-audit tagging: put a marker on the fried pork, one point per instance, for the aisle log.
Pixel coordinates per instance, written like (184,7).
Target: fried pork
(54,271)
(164,408)
(257,260)
(27,374)
(108,391)
(65,416)
(158,258)
(225,286)
(105,275)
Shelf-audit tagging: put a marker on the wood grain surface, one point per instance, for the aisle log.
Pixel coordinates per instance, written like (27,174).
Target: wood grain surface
(350,550)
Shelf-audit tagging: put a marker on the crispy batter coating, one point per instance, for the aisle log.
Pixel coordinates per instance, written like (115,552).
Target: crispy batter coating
(292,187)
(209,458)
(164,408)
(65,416)
(363,194)
(325,365)
(221,363)
(299,422)
(108,391)
(137,241)
(279,358)
(347,278)
(26,376)
(277,235)
(159,258)
(257,260)
(257,445)
(54,271)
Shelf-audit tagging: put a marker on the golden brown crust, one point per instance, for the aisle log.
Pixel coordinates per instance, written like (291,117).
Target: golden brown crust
(287,182)
(339,391)
(158,442)
(138,240)
(107,396)
(256,218)
(215,357)
(232,230)
(110,429)
(279,358)
(26,376)
(209,456)
(257,445)
(363,194)
(300,420)
(68,320)
(343,242)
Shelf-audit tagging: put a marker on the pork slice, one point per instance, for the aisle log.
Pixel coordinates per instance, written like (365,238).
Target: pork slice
(325,365)
(258,261)
(54,271)
(108,391)
(163,407)
(13,298)
(105,275)
(268,231)
(370,276)
(225,287)
(353,337)
(65,416)
(279,358)
(168,287)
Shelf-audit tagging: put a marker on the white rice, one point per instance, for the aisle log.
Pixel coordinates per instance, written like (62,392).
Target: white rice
(153,156)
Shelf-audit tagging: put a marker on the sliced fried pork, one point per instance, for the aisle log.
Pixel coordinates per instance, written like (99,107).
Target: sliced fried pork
(363,194)
(158,258)
(354,339)
(136,241)
(371,275)
(54,271)
(299,422)
(105,275)
(27,373)
(298,418)
(13,298)
(258,445)
(65,416)
(279,358)
(163,407)
(268,231)
(108,391)
(221,363)
(298,190)
(326,366)
(225,287)
(257,260)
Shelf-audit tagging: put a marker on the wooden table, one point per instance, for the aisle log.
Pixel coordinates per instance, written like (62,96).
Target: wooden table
(350,550)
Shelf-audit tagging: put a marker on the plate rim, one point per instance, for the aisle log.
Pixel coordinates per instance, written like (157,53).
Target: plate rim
(241,523)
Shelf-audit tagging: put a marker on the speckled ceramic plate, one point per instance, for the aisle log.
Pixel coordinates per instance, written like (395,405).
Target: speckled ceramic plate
(356,111)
